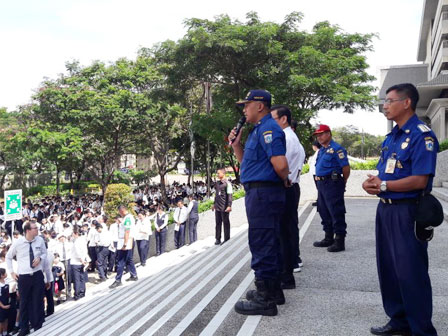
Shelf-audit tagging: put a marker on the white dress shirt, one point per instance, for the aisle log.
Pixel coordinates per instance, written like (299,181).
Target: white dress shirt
(21,249)
(113,229)
(104,238)
(295,155)
(180,214)
(143,229)
(79,252)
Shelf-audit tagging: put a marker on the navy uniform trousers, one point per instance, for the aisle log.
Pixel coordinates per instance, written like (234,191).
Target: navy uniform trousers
(161,241)
(102,253)
(32,291)
(402,262)
(331,206)
(143,249)
(289,233)
(264,208)
(179,236)
(192,229)
(79,280)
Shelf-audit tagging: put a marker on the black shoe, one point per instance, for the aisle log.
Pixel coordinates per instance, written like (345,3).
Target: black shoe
(115,284)
(314,204)
(338,244)
(224,242)
(217,242)
(23,332)
(132,278)
(263,300)
(389,330)
(143,264)
(279,297)
(326,242)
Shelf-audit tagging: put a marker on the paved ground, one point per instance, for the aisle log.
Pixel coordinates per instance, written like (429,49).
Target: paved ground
(191,291)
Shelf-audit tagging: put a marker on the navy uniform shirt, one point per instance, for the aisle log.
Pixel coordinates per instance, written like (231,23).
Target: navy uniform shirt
(414,148)
(331,159)
(267,139)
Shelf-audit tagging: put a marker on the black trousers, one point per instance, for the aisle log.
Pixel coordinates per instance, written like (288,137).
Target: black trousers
(222,218)
(50,302)
(32,291)
(93,257)
(289,233)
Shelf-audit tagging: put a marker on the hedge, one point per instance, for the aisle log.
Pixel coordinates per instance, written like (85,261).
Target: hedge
(443,145)
(118,194)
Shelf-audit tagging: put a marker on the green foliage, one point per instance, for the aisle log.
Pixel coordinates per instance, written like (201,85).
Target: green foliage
(121,177)
(369,165)
(239,194)
(443,145)
(118,194)
(305,169)
(357,143)
(205,206)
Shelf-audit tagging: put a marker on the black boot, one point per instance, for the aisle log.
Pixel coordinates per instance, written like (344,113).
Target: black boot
(262,302)
(338,245)
(279,297)
(327,241)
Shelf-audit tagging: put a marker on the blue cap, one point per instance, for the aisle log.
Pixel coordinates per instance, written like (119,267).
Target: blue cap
(256,95)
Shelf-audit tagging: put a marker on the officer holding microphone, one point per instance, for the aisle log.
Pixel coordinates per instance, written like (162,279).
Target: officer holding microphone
(264,173)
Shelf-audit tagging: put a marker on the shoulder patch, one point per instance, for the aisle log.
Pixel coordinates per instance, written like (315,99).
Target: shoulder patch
(341,155)
(340,151)
(423,128)
(429,144)
(267,132)
(267,137)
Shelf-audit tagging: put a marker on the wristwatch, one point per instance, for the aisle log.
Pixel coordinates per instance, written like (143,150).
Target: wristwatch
(383,186)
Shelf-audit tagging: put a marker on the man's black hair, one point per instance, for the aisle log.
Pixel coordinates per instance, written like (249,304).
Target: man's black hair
(407,89)
(282,110)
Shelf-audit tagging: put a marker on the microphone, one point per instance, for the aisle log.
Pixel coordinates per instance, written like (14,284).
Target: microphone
(239,126)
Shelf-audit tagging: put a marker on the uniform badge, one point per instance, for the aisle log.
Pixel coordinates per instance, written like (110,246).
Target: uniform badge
(341,155)
(399,165)
(429,145)
(404,145)
(330,151)
(268,138)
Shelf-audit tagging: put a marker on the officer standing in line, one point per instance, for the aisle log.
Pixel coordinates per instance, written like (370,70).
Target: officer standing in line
(406,169)
(193,218)
(30,253)
(160,222)
(289,229)
(332,172)
(264,174)
(222,206)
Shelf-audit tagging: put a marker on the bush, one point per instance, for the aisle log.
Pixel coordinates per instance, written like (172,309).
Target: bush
(305,169)
(239,194)
(117,194)
(120,177)
(443,145)
(369,165)
(204,206)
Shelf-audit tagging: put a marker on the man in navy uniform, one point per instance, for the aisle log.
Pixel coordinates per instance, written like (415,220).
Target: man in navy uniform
(332,172)
(264,172)
(406,169)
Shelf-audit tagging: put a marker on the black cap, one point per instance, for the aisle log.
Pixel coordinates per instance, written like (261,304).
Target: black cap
(429,215)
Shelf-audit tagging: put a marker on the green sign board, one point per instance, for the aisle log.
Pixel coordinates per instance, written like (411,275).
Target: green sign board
(13,204)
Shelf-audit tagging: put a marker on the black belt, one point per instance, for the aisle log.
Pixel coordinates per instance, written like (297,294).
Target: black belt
(398,201)
(263,184)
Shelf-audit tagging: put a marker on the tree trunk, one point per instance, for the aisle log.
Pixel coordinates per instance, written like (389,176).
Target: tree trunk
(57,181)
(72,183)
(163,187)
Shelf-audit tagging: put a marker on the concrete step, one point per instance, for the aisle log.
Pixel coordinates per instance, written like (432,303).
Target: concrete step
(445,184)
(440,193)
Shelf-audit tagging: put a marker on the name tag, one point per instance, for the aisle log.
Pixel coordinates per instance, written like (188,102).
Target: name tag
(390,165)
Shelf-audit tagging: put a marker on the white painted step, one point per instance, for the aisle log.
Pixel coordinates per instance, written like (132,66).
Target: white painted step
(445,184)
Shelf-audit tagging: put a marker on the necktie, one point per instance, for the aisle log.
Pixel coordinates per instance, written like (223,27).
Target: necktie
(31,256)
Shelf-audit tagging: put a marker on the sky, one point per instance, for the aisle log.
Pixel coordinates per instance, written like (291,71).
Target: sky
(37,38)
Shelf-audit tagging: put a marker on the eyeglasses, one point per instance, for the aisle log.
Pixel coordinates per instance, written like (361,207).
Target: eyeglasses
(390,100)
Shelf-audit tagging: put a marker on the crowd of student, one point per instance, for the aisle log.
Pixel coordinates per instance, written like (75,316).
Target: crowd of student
(78,241)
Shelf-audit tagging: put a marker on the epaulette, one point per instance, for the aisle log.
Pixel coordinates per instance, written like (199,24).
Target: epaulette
(423,128)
